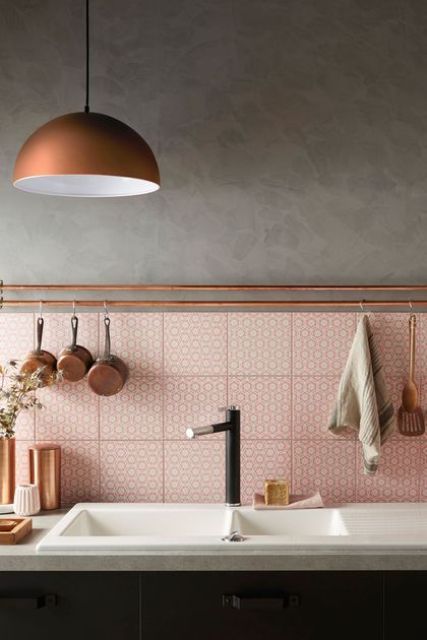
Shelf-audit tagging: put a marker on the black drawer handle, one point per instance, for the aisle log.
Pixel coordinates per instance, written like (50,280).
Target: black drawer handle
(259,603)
(27,602)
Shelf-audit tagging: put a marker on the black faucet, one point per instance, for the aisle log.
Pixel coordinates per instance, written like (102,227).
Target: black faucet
(232,452)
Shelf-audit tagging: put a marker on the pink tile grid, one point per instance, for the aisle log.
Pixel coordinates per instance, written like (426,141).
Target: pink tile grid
(79,472)
(194,471)
(259,343)
(134,414)
(22,471)
(328,467)
(131,471)
(398,476)
(25,425)
(321,342)
(313,401)
(17,335)
(193,401)
(195,343)
(265,404)
(281,369)
(69,412)
(137,338)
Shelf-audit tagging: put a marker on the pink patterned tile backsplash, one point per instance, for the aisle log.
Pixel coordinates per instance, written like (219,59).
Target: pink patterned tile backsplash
(259,344)
(195,344)
(191,401)
(265,404)
(313,398)
(321,342)
(281,369)
(134,414)
(194,471)
(131,471)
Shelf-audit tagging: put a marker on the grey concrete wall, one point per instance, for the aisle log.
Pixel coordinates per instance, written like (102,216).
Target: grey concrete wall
(291,137)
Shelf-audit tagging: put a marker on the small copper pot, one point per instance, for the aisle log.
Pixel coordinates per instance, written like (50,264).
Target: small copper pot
(74,361)
(109,374)
(39,358)
(7,470)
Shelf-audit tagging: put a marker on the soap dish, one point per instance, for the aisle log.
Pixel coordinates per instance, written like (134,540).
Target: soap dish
(12,530)
(296,502)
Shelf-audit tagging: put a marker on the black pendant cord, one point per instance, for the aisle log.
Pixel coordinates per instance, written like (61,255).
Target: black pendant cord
(87,58)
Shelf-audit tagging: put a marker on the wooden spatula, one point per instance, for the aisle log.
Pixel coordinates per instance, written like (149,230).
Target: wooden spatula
(411,416)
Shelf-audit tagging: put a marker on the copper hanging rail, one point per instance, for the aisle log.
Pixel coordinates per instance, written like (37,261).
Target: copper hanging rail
(365,305)
(213,287)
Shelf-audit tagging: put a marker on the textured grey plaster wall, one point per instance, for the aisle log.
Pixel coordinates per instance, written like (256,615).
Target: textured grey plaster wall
(291,137)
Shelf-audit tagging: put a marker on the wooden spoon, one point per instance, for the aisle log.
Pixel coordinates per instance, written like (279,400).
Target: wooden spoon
(411,416)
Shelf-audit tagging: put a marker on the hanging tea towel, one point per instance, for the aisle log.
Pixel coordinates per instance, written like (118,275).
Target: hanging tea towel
(363,403)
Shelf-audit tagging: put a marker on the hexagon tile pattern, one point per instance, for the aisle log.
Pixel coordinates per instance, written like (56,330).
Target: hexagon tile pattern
(195,344)
(281,369)
(131,471)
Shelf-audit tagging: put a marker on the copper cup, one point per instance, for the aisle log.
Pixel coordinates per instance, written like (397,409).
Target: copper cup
(7,470)
(45,472)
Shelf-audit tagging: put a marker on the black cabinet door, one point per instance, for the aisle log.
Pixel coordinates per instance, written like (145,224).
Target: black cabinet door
(405,594)
(69,606)
(261,606)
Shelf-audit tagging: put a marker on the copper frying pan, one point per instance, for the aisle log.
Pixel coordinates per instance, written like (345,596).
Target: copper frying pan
(109,373)
(74,361)
(39,358)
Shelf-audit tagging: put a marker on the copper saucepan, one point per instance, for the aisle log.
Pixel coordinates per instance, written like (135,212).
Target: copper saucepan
(74,361)
(39,358)
(108,374)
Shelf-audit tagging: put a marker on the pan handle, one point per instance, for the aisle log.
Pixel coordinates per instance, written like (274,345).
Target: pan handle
(412,324)
(107,348)
(74,328)
(40,325)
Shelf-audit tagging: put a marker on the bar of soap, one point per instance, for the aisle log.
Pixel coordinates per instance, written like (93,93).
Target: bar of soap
(276,492)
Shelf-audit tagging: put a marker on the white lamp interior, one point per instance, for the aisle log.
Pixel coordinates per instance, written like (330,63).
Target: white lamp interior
(85,186)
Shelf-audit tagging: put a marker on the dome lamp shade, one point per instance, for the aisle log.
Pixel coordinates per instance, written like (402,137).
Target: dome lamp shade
(86,154)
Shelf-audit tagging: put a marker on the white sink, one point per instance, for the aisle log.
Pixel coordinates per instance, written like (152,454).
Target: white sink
(169,527)
(310,522)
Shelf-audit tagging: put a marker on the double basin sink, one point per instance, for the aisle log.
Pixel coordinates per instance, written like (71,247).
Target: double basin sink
(196,528)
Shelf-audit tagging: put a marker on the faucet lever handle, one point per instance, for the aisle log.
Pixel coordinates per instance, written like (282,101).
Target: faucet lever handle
(232,407)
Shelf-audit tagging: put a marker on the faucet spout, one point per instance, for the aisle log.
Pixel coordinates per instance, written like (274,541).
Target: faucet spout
(232,452)
(199,431)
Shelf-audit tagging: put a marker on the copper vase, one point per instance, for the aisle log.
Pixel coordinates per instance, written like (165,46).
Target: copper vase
(45,472)
(7,470)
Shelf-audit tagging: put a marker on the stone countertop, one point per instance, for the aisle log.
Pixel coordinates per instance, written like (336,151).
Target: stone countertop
(24,557)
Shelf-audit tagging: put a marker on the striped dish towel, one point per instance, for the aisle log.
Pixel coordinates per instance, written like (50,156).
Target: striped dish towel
(363,403)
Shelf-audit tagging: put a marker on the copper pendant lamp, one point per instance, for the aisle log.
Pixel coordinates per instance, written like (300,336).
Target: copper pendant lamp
(86,154)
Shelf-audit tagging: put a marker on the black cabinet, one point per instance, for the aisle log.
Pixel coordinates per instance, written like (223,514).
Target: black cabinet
(405,594)
(256,605)
(69,606)
(311,605)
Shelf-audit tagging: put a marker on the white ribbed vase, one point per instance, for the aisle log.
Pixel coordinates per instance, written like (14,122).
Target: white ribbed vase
(27,500)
